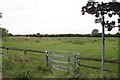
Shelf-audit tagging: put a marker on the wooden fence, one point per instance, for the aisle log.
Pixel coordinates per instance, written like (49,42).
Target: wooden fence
(51,62)
(76,60)
(97,60)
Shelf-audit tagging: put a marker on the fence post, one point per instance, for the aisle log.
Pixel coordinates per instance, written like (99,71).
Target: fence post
(48,58)
(75,66)
(7,50)
(78,64)
(24,52)
(68,68)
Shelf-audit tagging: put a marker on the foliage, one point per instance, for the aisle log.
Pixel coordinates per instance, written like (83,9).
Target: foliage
(70,35)
(95,31)
(17,65)
(101,9)
(0,15)
(3,32)
(24,74)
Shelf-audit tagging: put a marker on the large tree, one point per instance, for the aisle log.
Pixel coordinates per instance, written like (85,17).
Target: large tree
(3,32)
(102,9)
(0,15)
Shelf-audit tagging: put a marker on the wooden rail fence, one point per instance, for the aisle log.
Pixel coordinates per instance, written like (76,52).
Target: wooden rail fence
(49,58)
(77,60)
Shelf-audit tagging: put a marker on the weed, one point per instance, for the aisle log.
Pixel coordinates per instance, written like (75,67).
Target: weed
(24,74)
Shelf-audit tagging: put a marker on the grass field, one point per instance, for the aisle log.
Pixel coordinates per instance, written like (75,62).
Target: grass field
(15,64)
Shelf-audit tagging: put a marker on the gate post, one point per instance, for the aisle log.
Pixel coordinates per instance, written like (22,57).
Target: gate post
(48,58)
(78,64)
(75,66)
(68,67)
(7,50)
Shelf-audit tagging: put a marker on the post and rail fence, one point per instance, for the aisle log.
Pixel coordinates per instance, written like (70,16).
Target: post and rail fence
(51,61)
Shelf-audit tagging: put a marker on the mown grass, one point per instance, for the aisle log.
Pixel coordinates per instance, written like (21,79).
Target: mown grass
(19,65)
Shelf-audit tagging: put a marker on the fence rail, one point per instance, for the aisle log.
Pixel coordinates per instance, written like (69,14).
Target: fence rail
(38,51)
(93,67)
(82,58)
(99,60)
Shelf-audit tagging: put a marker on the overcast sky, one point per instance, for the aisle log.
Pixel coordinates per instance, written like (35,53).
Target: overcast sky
(47,17)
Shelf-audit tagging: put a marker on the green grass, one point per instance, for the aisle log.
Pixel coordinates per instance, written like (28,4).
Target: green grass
(19,65)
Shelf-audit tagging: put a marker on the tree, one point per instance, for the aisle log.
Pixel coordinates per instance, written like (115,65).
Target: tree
(117,35)
(95,31)
(101,9)
(0,27)
(38,34)
(0,15)
(3,32)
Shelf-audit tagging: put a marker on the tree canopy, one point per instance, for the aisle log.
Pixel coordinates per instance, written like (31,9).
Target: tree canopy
(101,9)
(95,31)
(3,32)
(0,15)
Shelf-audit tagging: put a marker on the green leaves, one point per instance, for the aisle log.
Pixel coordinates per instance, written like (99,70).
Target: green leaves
(3,32)
(0,15)
(100,9)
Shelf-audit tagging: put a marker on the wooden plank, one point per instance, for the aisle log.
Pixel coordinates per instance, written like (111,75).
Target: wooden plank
(8,48)
(93,67)
(99,60)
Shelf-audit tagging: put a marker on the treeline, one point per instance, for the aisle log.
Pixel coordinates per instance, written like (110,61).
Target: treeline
(4,32)
(70,35)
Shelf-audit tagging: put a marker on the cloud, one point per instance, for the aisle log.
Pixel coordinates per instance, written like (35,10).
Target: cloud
(57,16)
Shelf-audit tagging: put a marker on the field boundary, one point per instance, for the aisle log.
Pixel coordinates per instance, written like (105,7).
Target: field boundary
(77,60)
(81,58)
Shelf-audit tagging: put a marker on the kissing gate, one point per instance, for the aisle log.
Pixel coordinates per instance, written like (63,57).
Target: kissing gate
(63,63)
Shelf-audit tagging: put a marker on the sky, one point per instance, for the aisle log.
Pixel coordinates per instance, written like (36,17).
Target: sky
(48,17)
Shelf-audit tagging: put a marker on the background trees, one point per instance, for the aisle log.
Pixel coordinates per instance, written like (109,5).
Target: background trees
(95,31)
(3,32)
